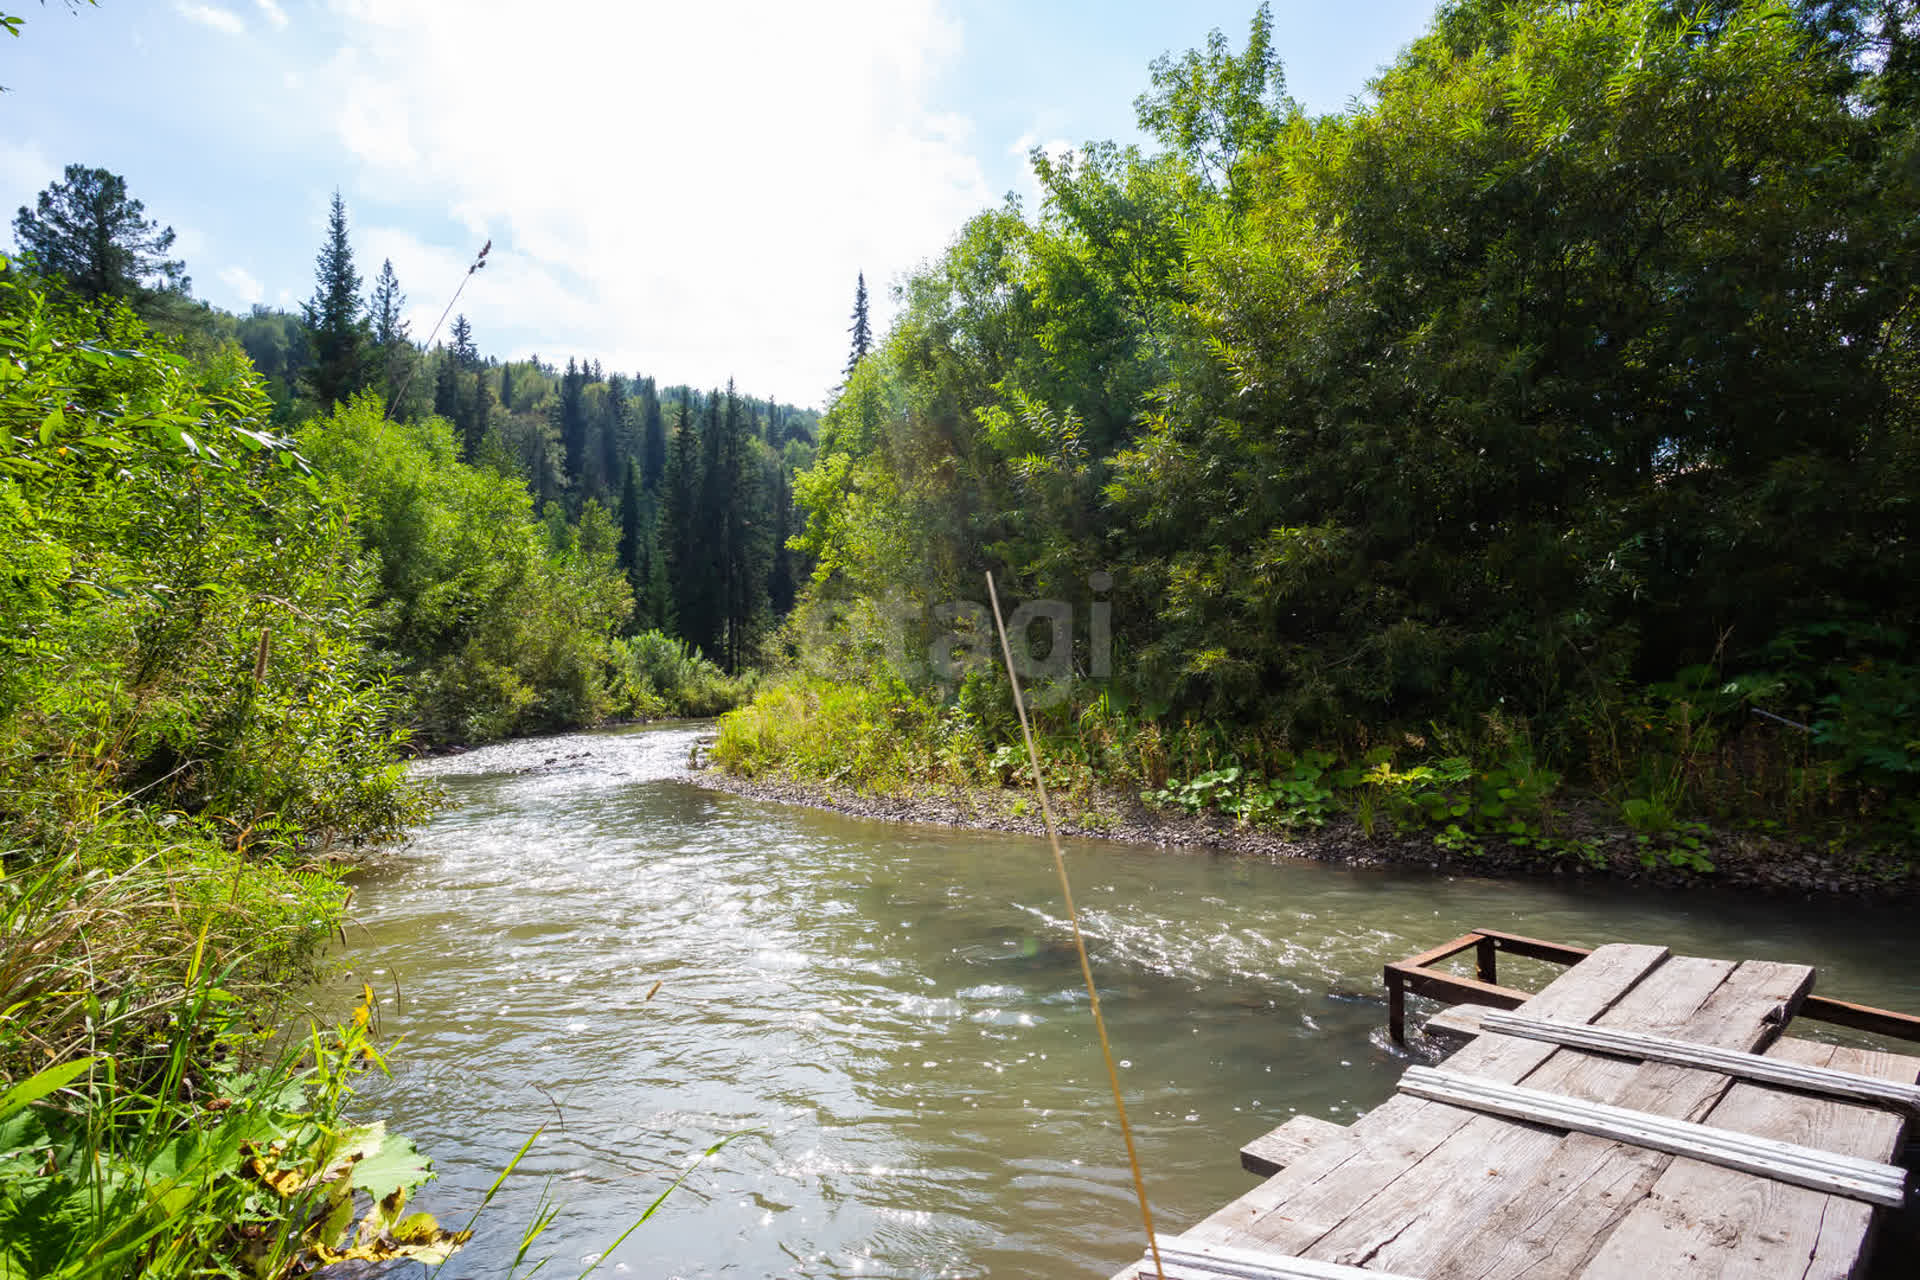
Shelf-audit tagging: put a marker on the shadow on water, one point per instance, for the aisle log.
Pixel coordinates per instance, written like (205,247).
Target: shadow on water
(896,1015)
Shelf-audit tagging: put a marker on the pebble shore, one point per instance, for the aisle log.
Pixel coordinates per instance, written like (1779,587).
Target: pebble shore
(1742,860)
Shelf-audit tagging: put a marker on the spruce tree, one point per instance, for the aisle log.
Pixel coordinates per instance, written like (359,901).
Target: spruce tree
(573,421)
(392,348)
(465,353)
(336,321)
(479,418)
(653,439)
(731,489)
(613,450)
(861,330)
(630,538)
(681,536)
(781,587)
(446,387)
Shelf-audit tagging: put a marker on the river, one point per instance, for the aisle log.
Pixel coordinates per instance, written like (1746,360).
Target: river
(892,1019)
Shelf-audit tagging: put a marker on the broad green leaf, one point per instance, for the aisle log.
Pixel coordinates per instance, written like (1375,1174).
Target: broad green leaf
(36,1087)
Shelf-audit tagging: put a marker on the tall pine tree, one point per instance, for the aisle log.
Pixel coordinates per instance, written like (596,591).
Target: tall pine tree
(335,315)
(392,349)
(336,323)
(861,329)
(573,421)
(653,438)
(682,535)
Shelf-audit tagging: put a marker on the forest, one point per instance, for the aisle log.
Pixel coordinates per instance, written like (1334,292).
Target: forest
(1537,433)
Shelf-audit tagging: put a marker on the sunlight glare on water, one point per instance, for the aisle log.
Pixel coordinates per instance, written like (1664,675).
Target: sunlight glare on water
(892,1017)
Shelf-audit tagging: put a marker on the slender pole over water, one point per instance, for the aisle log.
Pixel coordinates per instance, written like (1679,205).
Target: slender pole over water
(1079,943)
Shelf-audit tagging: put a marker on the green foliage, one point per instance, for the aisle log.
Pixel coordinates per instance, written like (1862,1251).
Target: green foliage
(87,233)
(192,712)
(190,613)
(337,323)
(1581,354)
(657,675)
(166,1157)
(496,630)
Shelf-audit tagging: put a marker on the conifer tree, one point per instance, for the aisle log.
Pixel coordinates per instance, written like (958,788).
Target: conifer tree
(446,387)
(478,419)
(781,587)
(630,525)
(730,502)
(335,317)
(682,535)
(861,330)
(392,349)
(653,439)
(465,353)
(87,231)
(573,421)
(613,434)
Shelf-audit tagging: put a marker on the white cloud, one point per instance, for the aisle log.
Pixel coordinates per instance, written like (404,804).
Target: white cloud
(274,13)
(686,190)
(242,284)
(212,15)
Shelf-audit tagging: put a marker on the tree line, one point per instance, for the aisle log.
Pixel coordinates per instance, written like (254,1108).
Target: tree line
(698,483)
(1560,391)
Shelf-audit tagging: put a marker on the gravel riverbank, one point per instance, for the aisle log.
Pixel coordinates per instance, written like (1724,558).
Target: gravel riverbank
(1741,860)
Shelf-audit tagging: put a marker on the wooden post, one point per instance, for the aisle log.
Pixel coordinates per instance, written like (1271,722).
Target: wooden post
(1485,950)
(1396,1006)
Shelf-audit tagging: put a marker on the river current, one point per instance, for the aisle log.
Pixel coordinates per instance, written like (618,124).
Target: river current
(891,1018)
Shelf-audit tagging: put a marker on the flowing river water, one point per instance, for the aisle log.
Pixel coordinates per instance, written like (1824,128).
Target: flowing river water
(893,1019)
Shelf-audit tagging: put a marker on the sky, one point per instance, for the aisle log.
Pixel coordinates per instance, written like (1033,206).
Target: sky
(686,190)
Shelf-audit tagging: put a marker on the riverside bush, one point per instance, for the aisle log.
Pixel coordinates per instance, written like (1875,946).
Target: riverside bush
(193,718)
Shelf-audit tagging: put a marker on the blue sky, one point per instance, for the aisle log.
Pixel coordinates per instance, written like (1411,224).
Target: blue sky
(681,189)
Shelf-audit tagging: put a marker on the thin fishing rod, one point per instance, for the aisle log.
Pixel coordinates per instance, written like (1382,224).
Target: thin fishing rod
(1079,943)
(479,261)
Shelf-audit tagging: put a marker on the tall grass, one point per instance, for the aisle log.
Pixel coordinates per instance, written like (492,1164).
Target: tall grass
(156,1123)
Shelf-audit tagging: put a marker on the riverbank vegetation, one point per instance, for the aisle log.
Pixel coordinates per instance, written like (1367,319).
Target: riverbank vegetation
(1535,438)
(192,715)
(237,590)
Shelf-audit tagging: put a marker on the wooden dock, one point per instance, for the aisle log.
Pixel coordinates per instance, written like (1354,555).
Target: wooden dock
(1641,1117)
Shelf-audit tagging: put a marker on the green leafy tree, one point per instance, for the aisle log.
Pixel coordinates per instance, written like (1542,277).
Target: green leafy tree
(1217,108)
(336,318)
(88,232)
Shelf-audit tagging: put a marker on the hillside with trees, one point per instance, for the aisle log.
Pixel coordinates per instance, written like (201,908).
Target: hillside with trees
(1540,430)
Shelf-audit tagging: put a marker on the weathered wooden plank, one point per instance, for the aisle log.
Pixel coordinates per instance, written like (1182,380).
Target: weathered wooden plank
(1571,1198)
(1805,1166)
(1273,1151)
(1490,1163)
(1730,1226)
(1745,1066)
(1456,1025)
(1327,1183)
(1183,1258)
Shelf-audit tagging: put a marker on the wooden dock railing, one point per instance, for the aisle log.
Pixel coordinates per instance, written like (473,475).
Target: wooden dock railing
(1418,974)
